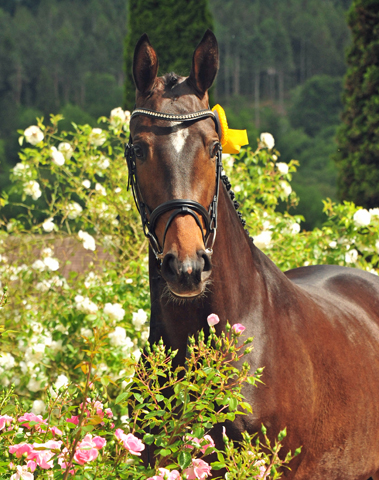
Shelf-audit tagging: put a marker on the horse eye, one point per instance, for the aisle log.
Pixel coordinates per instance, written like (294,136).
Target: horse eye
(215,148)
(138,151)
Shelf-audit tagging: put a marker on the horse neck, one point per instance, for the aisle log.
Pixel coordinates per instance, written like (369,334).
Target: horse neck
(242,281)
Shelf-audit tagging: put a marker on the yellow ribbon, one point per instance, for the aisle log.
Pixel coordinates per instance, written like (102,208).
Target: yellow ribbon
(231,140)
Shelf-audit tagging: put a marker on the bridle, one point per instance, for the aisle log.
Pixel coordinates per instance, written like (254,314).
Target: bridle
(179,206)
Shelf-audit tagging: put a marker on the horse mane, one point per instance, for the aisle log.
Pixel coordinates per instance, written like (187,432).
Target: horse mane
(232,195)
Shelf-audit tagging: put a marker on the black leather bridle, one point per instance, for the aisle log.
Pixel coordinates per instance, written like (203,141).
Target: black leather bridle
(179,206)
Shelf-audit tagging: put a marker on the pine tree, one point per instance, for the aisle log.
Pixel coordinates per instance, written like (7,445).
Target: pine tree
(174,27)
(357,158)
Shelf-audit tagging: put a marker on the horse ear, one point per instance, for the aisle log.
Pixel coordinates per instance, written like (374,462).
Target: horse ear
(204,63)
(145,65)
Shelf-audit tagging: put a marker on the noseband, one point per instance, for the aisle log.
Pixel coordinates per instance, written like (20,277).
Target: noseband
(179,206)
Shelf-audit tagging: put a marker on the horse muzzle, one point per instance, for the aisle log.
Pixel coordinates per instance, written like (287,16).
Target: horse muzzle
(187,278)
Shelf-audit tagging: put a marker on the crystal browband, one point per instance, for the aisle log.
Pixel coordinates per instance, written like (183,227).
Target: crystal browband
(173,116)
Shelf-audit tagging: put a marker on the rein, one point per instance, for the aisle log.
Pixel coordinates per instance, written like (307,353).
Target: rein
(179,206)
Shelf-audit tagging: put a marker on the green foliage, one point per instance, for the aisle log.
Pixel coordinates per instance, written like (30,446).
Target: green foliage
(174,27)
(316,104)
(357,157)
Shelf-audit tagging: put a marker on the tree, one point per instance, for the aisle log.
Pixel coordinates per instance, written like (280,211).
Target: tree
(358,154)
(174,27)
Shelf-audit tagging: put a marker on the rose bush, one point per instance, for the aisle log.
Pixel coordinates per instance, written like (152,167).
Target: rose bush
(73,185)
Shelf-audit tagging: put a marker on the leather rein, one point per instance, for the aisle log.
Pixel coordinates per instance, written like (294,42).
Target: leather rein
(179,206)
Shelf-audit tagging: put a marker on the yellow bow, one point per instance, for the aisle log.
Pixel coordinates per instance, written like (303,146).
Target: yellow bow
(231,140)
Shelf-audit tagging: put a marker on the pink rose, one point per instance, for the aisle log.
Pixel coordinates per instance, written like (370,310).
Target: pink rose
(203,444)
(55,431)
(109,412)
(22,473)
(213,319)
(130,442)
(20,449)
(207,442)
(238,328)
(31,417)
(88,449)
(74,419)
(100,442)
(262,469)
(167,475)
(198,470)
(5,420)
(31,465)
(42,453)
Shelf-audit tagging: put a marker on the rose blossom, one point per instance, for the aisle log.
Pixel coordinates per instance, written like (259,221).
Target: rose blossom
(88,449)
(22,473)
(5,420)
(267,140)
(238,328)
(198,470)
(31,417)
(165,474)
(20,449)
(74,419)
(130,442)
(33,134)
(213,319)
(57,156)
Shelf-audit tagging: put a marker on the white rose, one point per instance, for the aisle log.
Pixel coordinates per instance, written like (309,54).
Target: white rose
(118,337)
(99,188)
(21,170)
(86,332)
(263,240)
(39,265)
(103,163)
(115,311)
(97,137)
(286,187)
(267,140)
(88,240)
(57,157)
(38,407)
(66,150)
(374,211)
(33,134)
(351,256)
(362,217)
(86,183)
(43,286)
(61,381)
(34,385)
(85,305)
(117,117)
(295,228)
(74,210)
(139,318)
(333,244)
(7,361)
(282,167)
(51,263)
(32,189)
(48,225)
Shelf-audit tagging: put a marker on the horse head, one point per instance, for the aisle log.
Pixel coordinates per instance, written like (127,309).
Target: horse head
(174,159)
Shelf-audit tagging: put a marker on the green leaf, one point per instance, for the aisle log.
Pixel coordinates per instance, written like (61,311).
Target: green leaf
(8,409)
(148,438)
(184,459)
(233,404)
(217,465)
(165,452)
(121,397)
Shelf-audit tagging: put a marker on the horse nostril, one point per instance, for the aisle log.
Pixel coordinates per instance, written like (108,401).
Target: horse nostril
(207,261)
(170,267)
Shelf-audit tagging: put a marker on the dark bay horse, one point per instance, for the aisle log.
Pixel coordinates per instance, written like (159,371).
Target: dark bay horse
(316,329)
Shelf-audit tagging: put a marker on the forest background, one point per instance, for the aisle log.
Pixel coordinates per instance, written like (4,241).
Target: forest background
(282,65)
